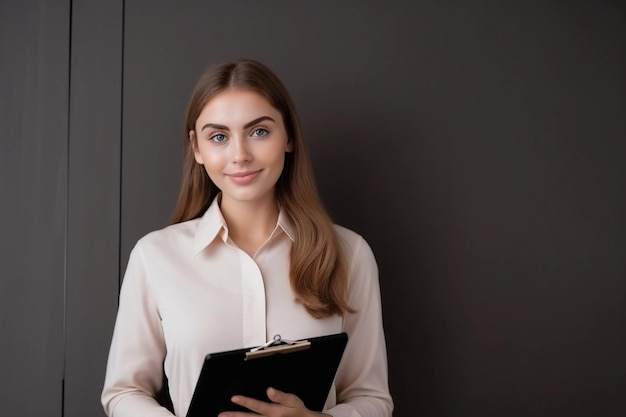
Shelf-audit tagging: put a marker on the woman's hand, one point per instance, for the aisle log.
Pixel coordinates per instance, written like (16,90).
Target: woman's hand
(282,405)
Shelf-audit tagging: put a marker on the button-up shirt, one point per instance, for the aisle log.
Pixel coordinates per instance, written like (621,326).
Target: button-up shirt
(189,290)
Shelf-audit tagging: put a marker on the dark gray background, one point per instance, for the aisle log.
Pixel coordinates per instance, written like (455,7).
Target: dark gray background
(479,147)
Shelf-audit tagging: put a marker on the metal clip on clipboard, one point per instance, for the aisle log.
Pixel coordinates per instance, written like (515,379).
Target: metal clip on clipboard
(277,345)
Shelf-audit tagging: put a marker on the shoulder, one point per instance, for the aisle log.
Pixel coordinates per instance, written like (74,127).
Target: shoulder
(347,236)
(354,245)
(176,237)
(362,268)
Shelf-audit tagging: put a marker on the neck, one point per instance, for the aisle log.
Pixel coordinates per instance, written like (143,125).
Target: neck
(250,223)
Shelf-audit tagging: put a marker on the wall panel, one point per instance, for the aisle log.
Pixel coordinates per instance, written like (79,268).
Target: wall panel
(34,64)
(94,199)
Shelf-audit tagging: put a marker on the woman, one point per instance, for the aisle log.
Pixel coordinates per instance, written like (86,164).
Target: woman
(251,253)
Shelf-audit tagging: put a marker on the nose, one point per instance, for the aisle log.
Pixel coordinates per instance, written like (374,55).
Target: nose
(240,151)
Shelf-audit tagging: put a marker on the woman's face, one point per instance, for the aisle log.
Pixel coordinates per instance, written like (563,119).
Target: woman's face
(241,141)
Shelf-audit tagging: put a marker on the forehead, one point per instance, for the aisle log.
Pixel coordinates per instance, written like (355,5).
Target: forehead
(235,107)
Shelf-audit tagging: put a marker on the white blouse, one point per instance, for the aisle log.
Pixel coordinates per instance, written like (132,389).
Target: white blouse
(189,291)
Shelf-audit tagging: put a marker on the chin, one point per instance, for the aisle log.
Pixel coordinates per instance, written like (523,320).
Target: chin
(245,196)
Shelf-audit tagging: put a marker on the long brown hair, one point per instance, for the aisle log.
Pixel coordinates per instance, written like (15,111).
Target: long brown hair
(318,268)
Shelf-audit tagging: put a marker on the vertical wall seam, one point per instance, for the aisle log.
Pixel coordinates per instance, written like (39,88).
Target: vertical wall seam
(121,142)
(67,206)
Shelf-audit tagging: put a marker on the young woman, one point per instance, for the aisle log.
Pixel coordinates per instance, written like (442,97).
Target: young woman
(251,253)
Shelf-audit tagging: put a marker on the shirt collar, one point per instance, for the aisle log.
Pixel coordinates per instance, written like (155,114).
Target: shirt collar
(212,225)
(285,224)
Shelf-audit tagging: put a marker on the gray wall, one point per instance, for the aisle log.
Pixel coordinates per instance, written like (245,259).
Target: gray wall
(478,147)
(92,269)
(60,143)
(34,83)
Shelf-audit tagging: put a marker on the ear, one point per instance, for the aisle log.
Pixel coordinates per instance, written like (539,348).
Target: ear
(193,140)
(289,146)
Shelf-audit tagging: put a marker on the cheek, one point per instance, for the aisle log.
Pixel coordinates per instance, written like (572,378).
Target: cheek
(212,159)
(274,153)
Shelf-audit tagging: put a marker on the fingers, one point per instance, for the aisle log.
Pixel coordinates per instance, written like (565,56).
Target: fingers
(284,399)
(283,404)
(255,406)
(259,407)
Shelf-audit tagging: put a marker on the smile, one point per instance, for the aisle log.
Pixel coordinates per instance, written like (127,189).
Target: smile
(243,178)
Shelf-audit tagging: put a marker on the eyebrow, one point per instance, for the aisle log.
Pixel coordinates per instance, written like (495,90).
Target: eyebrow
(247,125)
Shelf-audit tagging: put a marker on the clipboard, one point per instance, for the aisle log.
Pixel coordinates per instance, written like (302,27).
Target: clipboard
(305,368)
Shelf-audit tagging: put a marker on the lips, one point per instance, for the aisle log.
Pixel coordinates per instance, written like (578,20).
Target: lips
(243,178)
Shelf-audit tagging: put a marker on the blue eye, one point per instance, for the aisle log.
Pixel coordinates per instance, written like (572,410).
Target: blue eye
(260,132)
(218,138)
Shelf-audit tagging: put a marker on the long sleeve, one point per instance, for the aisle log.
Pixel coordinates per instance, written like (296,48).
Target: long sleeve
(362,383)
(134,369)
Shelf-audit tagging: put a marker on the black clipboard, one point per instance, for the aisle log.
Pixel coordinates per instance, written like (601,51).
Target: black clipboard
(305,368)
